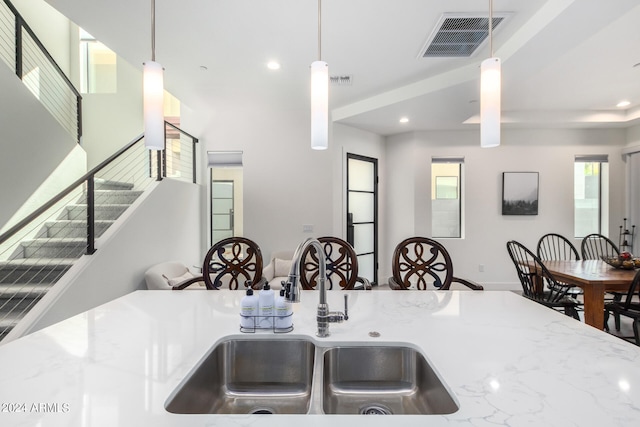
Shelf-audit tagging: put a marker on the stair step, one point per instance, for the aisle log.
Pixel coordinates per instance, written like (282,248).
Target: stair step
(11,311)
(106,197)
(13,307)
(23,290)
(54,248)
(103,184)
(34,270)
(77,228)
(102,212)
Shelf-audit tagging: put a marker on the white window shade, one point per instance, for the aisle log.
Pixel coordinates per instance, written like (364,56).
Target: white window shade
(222,159)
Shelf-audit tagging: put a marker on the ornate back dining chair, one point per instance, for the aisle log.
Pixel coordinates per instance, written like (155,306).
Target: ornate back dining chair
(595,246)
(534,276)
(553,246)
(629,307)
(420,263)
(235,262)
(341,262)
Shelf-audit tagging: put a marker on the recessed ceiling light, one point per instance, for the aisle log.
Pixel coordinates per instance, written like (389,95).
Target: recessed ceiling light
(623,104)
(273,65)
(404,120)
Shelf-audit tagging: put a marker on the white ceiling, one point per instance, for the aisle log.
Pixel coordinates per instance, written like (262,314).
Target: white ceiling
(566,63)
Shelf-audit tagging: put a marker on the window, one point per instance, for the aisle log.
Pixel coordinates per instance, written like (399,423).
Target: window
(590,195)
(97,66)
(446,197)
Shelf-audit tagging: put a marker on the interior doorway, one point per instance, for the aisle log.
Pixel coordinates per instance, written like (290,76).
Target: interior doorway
(226,198)
(362,213)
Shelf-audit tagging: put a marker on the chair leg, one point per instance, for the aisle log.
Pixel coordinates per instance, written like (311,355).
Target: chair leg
(606,320)
(616,317)
(572,312)
(636,325)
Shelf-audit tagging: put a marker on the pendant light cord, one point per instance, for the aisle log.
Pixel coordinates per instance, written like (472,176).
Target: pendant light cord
(153,30)
(491,27)
(319,30)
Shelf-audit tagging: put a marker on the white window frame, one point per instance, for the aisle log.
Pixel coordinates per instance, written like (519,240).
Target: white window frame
(603,194)
(461,191)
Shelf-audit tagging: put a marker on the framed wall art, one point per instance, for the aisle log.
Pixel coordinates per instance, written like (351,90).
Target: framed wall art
(520,193)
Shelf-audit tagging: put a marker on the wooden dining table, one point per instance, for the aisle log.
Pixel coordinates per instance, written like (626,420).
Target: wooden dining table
(595,277)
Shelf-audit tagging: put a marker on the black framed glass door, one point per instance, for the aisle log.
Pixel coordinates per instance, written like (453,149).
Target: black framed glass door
(362,213)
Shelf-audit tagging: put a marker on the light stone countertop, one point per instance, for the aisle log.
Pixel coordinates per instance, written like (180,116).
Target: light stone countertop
(507,361)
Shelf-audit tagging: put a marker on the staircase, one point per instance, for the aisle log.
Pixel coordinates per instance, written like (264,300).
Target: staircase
(37,263)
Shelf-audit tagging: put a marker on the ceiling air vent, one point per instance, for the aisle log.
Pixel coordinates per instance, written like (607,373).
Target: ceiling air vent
(344,80)
(459,35)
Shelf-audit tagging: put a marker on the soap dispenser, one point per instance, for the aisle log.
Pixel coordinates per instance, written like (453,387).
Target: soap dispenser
(266,301)
(284,312)
(249,310)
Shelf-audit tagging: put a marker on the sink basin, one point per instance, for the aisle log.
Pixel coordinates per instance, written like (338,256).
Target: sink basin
(249,376)
(382,380)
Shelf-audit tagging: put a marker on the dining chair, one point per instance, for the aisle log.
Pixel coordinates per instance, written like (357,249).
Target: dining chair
(234,262)
(420,263)
(595,246)
(629,307)
(341,266)
(533,276)
(553,246)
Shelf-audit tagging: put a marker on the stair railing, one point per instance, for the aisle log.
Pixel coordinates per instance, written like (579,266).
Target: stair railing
(21,49)
(178,159)
(126,165)
(38,250)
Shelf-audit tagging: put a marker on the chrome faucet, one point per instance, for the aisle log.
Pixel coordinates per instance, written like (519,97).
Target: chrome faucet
(292,287)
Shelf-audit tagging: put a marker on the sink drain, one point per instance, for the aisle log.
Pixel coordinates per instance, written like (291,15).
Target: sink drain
(262,411)
(375,410)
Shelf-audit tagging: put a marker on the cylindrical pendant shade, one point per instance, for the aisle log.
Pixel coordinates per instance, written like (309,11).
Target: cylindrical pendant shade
(153,89)
(490,103)
(319,105)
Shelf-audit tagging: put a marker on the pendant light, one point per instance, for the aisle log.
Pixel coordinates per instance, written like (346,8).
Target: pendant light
(319,95)
(153,94)
(490,82)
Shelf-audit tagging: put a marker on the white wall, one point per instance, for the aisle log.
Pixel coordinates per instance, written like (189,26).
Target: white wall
(549,152)
(112,120)
(160,227)
(51,27)
(29,153)
(286,184)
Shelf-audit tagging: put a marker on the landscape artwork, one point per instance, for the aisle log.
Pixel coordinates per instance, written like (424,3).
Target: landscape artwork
(520,193)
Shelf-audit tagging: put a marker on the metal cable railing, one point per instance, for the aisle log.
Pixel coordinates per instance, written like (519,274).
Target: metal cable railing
(178,158)
(38,250)
(24,53)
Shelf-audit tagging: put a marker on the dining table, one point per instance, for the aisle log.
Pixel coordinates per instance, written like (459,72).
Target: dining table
(595,278)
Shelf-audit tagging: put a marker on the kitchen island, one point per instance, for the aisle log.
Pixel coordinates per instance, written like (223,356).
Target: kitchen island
(506,360)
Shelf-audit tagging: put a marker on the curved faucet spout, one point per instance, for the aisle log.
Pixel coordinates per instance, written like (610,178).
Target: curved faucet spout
(324,317)
(293,281)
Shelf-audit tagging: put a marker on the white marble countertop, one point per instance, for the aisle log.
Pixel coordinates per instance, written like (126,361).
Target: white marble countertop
(508,361)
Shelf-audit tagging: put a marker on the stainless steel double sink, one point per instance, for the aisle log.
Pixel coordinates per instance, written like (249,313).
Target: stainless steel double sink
(296,376)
